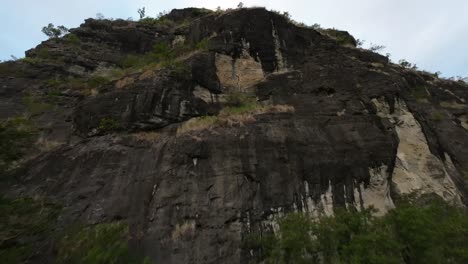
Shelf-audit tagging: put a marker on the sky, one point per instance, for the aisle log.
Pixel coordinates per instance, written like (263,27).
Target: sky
(431,33)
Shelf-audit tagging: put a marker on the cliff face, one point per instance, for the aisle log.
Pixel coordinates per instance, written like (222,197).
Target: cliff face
(331,126)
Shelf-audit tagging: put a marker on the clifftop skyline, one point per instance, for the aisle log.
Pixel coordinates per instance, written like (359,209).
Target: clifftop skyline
(430,34)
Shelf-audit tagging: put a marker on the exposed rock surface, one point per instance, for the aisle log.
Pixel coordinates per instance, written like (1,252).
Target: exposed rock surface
(362,132)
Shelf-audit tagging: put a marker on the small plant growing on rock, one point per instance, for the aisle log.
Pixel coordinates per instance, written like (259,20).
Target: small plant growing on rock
(240,109)
(36,105)
(23,221)
(15,138)
(203,44)
(410,233)
(54,32)
(72,39)
(108,124)
(419,92)
(437,116)
(101,243)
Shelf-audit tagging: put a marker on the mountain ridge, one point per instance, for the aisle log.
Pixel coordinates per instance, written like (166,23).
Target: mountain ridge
(199,126)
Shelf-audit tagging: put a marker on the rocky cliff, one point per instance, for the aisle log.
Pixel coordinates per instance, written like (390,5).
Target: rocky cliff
(198,127)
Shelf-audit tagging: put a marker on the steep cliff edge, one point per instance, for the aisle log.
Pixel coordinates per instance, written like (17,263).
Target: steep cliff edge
(198,127)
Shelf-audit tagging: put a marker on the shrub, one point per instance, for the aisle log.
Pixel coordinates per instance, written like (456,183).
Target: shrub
(30,60)
(15,138)
(108,124)
(342,37)
(97,81)
(203,44)
(99,244)
(22,221)
(419,92)
(161,20)
(36,105)
(437,116)
(72,39)
(43,53)
(180,70)
(240,109)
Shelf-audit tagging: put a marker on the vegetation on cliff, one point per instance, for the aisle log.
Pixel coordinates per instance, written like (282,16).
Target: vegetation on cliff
(15,138)
(432,233)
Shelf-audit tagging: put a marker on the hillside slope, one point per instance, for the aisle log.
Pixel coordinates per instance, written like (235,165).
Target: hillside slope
(199,127)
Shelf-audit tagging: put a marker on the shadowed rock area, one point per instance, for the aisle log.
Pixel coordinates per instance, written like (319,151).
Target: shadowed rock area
(246,116)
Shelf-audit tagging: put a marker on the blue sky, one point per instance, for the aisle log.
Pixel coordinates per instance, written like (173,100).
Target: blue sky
(431,33)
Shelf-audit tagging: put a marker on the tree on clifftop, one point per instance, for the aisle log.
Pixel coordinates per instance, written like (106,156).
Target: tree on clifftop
(54,32)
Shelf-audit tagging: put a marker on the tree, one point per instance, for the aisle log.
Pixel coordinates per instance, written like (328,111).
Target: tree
(360,43)
(407,64)
(54,32)
(99,16)
(316,26)
(376,48)
(141,12)
(426,231)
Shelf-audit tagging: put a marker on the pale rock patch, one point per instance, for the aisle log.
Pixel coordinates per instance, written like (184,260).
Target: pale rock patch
(238,74)
(416,170)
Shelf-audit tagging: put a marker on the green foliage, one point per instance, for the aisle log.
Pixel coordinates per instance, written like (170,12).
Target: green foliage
(180,70)
(97,81)
(419,92)
(376,48)
(343,38)
(15,138)
(239,102)
(22,221)
(161,52)
(54,32)
(404,63)
(437,116)
(99,244)
(203,44)
(430,233)
(130,61)
(43,53)
(84,85)
(30,60)
(161,20)
(161,55)
(36,105)
(72,39)
(108,124)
